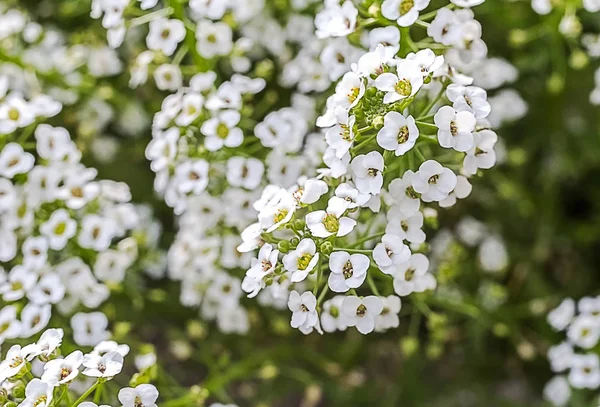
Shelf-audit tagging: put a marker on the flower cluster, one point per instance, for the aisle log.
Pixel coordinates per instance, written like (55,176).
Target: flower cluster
(37,375)
(66,237)
(386,116)
(574,360)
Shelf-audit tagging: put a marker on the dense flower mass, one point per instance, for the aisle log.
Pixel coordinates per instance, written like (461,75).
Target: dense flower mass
(285,166)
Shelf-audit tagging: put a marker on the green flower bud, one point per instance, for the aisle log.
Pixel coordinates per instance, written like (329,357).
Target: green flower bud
(517,38)
(555,83)
(299,224)
(378,122)
(326,248)
(283,246)
(578,60)
(434,351)
(409,346)
(10,404)
(19,391)
(294,241)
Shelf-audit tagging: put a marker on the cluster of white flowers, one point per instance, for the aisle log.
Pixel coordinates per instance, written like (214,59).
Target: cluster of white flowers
(386,116)
(574,360)
(65,235)
(31,375)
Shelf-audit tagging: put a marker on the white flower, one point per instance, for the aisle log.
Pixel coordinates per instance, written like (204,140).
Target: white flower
(168,77)
(96,232)
(592,6)
(585,371)
(16,358)
(461,191)
(361,312)
(492,254)
(560,356)
(244,172)
(404,84)
(337,166)
(144,395)
(331,221)
(390,253)
(222,131)
(405,12)
(213,39)
(278,211)
(467,3)
(331,315)
(398,134)
(469,99)
(482,154)
(15,113)
(335,20)
(106,366)
(341,136)
(351,195)
(191,107)
(164,35)
(407,226)
(388,37)
(11,327)
(403,195)
(427,61)
(301,261)
(413,276)
(389,314)
(89,329)
(58,229)
(557,391)
(433,181)
(13,160)
(262,266)
(38,393)
(310,191)
(162,149)
(192,176)
(49,289)
(20,280)
(347,271)
(455,128)
(304,312)
(62,371)
(349,91)
(367,171)
(584,331)
(208,8)
(50,340)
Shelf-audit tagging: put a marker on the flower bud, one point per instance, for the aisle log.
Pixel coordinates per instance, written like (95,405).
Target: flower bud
(283,246)
(409,346)
(378,122)
(19,392)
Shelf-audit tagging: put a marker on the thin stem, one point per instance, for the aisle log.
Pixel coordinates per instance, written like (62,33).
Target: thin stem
(372,284)
(98,393)
(86,394)
(146,18)
(364,142)
(343,249)
(366,239)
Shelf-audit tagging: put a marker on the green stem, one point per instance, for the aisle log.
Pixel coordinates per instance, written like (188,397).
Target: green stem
(98,393)
(343,249)
(372,284)
(366,239)
(146,18)
(85,395)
